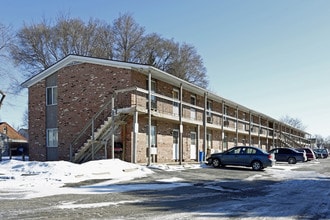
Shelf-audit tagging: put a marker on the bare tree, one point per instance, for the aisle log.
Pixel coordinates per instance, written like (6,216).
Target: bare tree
(5,41)
(5,38)
(25,119)
(179,60)
(2,97)
(188,65)
(40,45)
(128,37)
(156,51)
(33,48)
(73,36)
(294,122)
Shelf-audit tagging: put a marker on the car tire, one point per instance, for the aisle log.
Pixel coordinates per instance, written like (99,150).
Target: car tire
(216,163)
(292,160)
(256,165)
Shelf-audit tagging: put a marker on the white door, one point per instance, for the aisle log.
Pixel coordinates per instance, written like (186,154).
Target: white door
(193,152)
(176,103)
(175,144)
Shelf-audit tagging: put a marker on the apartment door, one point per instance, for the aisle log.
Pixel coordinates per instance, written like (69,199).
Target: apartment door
(175,144)
(176,102)
(193,152)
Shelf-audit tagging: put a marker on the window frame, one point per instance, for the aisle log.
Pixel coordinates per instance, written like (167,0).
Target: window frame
(51,92)
(52,133)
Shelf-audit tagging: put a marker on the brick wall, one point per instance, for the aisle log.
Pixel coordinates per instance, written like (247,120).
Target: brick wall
(37,123)
(82,90)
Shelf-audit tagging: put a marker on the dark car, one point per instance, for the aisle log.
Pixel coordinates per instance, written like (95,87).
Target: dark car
(318,153)
(242,156)
(325,153)
(321,153)
(290,155)
(309,153)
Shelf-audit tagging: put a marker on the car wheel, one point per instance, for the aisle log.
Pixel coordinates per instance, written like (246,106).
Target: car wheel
(216,163)
(292,160)
(256,165)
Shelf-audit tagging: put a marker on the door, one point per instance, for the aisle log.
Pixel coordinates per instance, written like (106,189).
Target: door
(193,152)
(231,157)
(175,144)
(176,102)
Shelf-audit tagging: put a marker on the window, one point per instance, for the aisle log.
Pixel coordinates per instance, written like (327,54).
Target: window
(153,136)
(209,108)
(251,151)
(192,108)
(225,113)
(209,140)
(193,99)
(153,90)
(52,137)
(51,95)
(234,151)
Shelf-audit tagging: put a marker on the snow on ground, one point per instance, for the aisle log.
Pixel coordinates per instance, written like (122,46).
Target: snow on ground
(31,179)
(304,192)
(295,191)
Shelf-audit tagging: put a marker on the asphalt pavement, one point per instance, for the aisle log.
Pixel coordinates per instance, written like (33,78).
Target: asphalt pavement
(196,189)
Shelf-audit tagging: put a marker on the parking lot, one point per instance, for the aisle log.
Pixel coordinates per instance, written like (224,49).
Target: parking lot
(225,193)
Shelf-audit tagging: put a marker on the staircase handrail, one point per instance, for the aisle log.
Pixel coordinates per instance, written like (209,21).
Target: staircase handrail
(89,124)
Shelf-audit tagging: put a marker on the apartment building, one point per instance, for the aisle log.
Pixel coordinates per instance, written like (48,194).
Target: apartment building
(84,108)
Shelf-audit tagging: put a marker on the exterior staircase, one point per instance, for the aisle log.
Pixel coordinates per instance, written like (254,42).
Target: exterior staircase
(288,141)
(99,138)
(97,132)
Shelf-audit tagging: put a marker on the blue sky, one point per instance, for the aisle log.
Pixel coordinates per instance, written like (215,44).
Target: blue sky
(271,56)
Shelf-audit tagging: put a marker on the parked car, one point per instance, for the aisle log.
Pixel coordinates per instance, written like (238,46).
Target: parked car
(242,156)
(325,152)
(290,155)
(309,153)
(321,153)
(318,153)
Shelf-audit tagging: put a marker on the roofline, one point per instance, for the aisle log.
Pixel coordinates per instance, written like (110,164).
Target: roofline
(80,59)
(22,137)
(142,68)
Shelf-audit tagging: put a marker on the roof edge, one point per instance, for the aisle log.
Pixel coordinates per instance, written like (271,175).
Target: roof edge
(76,58)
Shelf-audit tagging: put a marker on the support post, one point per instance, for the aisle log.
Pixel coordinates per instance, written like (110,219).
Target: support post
(204,124)
(181,128)
(259,138)
(222,124)
(135,132)
(250,126)
(93,138)
(105,149)
(236,142)
(149,118)
(113,111)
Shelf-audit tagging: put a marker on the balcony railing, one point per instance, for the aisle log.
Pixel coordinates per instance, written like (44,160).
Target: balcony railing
(168,107)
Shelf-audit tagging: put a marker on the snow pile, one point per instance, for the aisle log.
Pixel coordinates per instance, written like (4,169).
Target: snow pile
(34,179)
